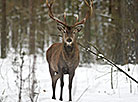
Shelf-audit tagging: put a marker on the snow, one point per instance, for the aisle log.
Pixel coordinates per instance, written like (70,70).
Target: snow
(90,84)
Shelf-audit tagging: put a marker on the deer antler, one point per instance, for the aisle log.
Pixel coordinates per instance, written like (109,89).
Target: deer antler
(65,17)
(51,14)
(88,14)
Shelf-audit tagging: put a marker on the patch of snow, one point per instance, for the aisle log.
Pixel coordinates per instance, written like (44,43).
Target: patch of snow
(89,84)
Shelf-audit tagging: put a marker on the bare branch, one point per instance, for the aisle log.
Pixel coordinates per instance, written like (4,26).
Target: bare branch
(21,80)
(112,63)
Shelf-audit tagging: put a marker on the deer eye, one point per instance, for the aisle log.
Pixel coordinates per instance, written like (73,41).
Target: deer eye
(75,31)
(64,31)
(78,28)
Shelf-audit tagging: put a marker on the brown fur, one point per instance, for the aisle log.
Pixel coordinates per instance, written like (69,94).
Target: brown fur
(62,60)
(58,56)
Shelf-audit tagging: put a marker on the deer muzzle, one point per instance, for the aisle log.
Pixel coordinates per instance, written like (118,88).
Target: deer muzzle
(69,41)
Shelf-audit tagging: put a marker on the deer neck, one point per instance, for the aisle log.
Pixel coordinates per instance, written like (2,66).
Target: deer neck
(69,51)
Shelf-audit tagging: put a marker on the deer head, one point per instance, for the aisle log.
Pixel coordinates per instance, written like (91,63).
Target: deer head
(69,32)
(69,35)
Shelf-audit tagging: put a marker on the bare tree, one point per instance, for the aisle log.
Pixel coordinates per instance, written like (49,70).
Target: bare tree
(117,41)
(32,27)
(3,30)
(135,3)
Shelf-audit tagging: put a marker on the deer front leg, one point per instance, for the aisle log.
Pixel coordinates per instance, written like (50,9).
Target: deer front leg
(71,75)
(61,85)
(53,87)
(54,81)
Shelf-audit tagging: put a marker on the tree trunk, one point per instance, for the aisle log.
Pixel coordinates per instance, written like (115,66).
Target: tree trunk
(3,30)
(136,28)
(32,28)
(128,25)
(116,35)
(87,36)
(15,29)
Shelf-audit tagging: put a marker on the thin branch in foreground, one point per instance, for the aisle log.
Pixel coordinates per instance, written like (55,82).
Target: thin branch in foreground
(21,80)
(103,57)
(82,93)
(1,68)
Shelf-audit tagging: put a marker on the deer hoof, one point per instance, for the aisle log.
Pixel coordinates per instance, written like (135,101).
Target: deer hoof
(61,99)
(53,98)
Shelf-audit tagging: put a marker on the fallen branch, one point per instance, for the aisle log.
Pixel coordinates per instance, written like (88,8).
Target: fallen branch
(103,57)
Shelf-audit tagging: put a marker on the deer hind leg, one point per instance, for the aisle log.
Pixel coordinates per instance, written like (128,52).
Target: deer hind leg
(54,81)
(71,75)
(61,85)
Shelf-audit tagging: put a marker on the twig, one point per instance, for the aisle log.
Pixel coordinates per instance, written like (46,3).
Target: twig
(112,78)
(58,35)
(95,48)
(0,69)
(82,93)
(104,75)
(37,96)
(33,81)
(21,80)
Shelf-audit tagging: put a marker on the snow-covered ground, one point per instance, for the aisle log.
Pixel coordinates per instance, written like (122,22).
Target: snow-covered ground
(91,83)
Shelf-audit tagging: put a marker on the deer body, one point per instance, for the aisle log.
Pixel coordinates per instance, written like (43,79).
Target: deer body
(63,58)
(60,56)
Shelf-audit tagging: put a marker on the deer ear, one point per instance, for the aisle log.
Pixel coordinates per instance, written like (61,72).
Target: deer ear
(61,28)
(78,28)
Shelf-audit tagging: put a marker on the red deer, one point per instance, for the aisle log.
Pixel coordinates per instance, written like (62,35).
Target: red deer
(63,58)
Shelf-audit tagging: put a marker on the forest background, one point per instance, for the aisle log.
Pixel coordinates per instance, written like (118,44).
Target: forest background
(113,27)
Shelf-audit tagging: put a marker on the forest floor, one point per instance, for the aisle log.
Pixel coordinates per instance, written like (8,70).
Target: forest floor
(92,83)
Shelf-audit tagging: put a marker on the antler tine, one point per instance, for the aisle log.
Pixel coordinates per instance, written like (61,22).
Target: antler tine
(51,14)
(88,14)
(65,17)
(77,18)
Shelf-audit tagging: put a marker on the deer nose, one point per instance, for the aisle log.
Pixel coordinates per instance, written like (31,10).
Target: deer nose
(69,40)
